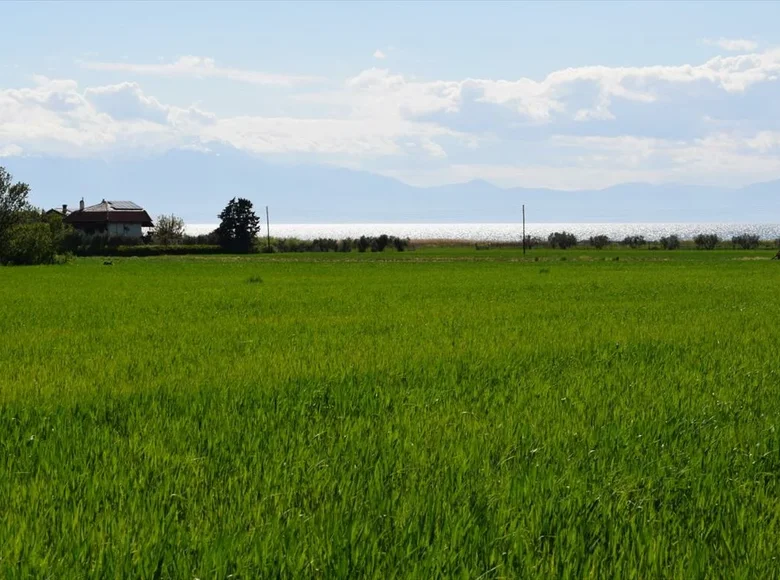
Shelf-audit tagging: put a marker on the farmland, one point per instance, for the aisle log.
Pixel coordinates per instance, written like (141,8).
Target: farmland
(440,413)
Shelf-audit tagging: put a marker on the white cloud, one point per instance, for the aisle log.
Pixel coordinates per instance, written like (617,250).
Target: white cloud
(539,100)
(324,136)
(376,92)
(732,44)
(126,101)
(581,94)
(11,150)
(566,130)
(379,54)
(562,93)
(203,68)
(55,117)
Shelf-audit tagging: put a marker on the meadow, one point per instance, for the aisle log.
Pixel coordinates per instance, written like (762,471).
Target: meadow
(441,413)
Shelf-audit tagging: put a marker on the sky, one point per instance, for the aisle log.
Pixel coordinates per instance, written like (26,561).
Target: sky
(562,95)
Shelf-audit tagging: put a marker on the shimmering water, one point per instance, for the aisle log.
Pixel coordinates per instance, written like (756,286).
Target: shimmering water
(510,231)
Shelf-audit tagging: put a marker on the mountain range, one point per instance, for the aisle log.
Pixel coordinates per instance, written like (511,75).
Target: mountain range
(196,185)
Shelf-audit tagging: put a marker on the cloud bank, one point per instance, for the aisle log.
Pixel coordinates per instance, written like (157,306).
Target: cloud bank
(593,126)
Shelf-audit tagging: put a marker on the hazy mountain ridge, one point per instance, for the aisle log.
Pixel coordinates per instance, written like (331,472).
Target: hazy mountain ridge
(196,185)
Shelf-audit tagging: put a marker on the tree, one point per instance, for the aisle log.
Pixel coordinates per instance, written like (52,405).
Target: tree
(363,243)
(29,244)
(746,241)
(533,241)
(706,241)
(238,226)
(599,242)
(670,242)
(169,230)
(13,203)
(634,241)
(562,240)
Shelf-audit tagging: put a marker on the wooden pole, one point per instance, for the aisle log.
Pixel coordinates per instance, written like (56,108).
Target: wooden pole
(268,228)
(523,229)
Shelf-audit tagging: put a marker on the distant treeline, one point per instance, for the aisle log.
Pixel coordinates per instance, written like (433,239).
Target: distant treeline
(566,240)
(746,241)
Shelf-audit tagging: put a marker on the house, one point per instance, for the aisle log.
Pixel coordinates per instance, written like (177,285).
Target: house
(115,218)
(64,212)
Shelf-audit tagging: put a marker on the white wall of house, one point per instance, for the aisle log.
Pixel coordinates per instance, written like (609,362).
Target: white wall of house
(125,230)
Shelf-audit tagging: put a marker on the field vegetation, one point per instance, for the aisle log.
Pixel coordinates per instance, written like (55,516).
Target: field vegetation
(436,413)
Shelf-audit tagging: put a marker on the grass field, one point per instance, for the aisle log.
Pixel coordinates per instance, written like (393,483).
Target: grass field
(427,414)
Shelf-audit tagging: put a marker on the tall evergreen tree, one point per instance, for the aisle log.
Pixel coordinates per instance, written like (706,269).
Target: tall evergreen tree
(238,226)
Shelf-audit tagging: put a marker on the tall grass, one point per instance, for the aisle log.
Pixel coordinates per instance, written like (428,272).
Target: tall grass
(418,417)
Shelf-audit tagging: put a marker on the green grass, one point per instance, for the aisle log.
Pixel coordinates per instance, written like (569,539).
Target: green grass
(445,413)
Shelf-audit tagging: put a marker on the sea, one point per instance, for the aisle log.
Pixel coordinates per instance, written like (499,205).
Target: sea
(508,232)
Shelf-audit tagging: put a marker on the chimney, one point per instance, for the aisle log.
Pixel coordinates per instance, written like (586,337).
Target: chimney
(64,209)
(81,204)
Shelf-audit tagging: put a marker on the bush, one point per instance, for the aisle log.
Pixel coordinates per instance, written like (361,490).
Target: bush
(599,242)
(210,239)
(533,241)
(400,244)
(345,245)
(379,244)
(323,245)
(706,241)
(62,259)
(562,240)
(81,244)
(670,242)
(363,243)
(29,244)
(288,244)
(745,241)
(634,241)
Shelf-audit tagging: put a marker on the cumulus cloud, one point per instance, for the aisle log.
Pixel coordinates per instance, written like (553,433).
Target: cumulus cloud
(732,44)
(123,116)
(379,54)
(589,126)
(202,68)
(539,100)
(581,94)
(126,101)
(54,117)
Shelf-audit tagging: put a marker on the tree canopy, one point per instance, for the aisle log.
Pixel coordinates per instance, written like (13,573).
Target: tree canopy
(13,201)
(238,226)
(169,230)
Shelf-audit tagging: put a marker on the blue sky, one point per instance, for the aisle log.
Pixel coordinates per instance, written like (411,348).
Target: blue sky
(562,95)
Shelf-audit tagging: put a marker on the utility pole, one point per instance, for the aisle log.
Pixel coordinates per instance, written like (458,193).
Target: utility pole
(523,229)
(268,228)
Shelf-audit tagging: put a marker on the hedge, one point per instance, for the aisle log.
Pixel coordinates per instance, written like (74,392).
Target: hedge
(154,250)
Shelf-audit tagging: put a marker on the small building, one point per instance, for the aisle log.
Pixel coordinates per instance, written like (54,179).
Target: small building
(64,212)
(115,218)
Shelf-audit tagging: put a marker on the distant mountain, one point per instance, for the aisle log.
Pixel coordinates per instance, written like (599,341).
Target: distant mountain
(196,185)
